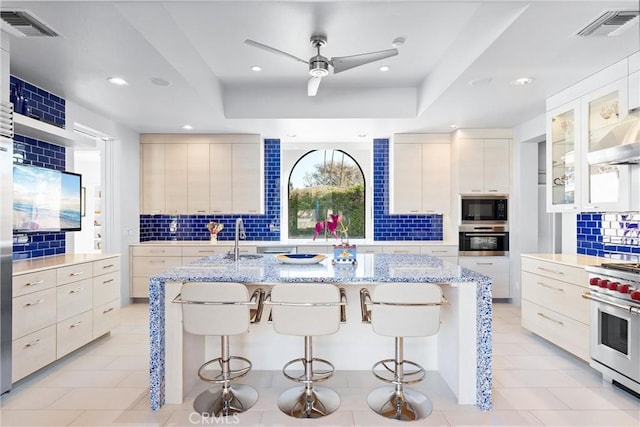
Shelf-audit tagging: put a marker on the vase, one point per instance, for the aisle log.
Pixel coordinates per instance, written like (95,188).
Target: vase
(214,239)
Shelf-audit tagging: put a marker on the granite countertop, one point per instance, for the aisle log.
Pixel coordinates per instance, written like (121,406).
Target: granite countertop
(370,268)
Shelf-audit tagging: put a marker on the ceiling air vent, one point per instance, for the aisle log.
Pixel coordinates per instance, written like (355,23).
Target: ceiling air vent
(24,24)
(610,23)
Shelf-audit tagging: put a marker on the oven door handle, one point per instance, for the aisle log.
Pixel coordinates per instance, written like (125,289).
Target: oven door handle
(625,307)
(485,234)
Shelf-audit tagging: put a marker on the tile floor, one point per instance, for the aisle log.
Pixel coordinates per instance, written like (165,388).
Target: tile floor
(105,384)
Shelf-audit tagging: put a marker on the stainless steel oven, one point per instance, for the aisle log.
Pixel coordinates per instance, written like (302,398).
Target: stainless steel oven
(483,240)
(491,209)
(614,345)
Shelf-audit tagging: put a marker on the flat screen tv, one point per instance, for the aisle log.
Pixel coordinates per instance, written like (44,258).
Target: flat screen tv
(45,200)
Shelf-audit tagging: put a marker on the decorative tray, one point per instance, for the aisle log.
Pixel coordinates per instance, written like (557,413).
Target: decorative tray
(300,258)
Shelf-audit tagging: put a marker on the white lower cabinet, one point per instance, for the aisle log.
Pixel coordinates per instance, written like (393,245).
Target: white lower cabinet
(60,306)
(552,306)
(495,267)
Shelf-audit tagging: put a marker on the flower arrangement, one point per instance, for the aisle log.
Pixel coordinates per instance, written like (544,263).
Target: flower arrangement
(214,228)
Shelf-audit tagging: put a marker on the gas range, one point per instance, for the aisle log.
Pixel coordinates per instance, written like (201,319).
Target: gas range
(616,280)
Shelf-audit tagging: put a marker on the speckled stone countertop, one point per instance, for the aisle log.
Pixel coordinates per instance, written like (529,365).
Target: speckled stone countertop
(370,268)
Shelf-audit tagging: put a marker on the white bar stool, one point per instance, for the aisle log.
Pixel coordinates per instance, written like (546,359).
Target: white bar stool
(222,309)
(401,310)
(307,309)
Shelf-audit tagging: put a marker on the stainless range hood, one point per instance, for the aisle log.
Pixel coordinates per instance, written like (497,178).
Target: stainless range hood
(623,142)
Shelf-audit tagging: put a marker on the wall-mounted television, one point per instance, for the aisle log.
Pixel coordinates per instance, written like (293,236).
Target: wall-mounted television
(45,200)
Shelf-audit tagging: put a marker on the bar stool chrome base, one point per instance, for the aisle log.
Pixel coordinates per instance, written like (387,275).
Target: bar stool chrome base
(302,402)
(222,402)
(405,404)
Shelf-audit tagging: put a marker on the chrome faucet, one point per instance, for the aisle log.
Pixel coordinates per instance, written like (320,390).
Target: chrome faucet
(240,234)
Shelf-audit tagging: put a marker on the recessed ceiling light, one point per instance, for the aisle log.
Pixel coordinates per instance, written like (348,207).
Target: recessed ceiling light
(118,81)
(398,41)
(522,81)
(291,135)
(256,68)
(453,126)
(384,68)
(483,81)
(362,135)
(187,127)
(159,81)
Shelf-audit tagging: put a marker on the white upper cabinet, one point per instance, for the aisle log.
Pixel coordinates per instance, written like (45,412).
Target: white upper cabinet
(198,178)
(634,81)
(247,178)
(483,165)
(152,173)
(421,174)
(175,179)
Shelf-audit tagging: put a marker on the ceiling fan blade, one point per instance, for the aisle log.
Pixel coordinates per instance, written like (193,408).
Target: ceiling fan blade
(343,63)
(273,50)
(312,85)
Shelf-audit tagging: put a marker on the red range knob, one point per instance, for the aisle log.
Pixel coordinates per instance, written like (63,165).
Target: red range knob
(635,295)
(603,283)
(623,289)
(594,281)
(613,286)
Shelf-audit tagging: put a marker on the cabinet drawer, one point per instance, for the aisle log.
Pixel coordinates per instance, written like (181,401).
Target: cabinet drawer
(559,296)
(32,282)
(140,287)
(440,251)
(369,249)
(74,298)
(105,266)
(106,288)
(33,352)
(203,251)
(153,250)
(145,266)
(566,273)
(105,318)
(401,249)
(73,333)
(74,273)
(564,332)
(33,311)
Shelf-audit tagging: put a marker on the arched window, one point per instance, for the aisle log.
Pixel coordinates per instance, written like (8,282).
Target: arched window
(323,184)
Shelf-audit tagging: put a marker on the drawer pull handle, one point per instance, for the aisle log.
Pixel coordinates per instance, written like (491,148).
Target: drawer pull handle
(550,287)
(549,318)
(77,273)
(107,310)
(32,343)
(76,290)
(157,251)
(484,263)
(202,251)
(104,282)
(75,325)
(37,282)
(36,302)
(107,266)
(439,252)
(551,271)
(159,261)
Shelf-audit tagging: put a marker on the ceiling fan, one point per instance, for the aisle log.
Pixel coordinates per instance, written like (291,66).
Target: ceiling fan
(319,65)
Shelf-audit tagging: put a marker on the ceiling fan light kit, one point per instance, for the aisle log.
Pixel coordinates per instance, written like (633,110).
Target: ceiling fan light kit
(319,65)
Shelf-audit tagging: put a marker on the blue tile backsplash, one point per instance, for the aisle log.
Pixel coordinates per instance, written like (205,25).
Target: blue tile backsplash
(43,105)
(615,235)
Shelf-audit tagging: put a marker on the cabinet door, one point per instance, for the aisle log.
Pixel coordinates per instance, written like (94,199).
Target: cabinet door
(198,189)
(247,178)
(471,165)
(495,267)
(176,178)
(563,158)
(436,178)
(152,179)
(634,90)
(604,187)
(221,186)
(407,178)
(496,165)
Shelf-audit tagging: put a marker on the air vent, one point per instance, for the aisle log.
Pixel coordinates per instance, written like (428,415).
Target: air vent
(24,24)
(610,23)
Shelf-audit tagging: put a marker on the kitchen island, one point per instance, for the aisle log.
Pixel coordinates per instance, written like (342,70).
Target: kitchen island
(460,352)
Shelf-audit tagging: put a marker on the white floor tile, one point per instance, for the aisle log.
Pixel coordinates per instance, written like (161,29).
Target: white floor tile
(526,399)
(84,398)
(588,418)
(14,418)
(594,399)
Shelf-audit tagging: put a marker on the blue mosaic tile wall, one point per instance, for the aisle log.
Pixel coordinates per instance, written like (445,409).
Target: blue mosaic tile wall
(258,227)
(45,106)
(39,153)
(396,227)
(615,235)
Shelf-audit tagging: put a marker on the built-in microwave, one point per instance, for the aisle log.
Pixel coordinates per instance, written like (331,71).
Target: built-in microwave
(483,209)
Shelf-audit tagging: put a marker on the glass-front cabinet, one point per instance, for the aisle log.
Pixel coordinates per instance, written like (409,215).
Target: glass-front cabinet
(563,158)
(604,186)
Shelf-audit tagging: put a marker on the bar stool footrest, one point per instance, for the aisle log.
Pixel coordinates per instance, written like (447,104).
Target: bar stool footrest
(388,367)
(317,375)
(233,373)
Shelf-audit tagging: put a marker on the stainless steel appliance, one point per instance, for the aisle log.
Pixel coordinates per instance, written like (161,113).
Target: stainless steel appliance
(614,347)
(6,242)
(483,240)
(490,209)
